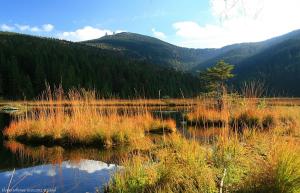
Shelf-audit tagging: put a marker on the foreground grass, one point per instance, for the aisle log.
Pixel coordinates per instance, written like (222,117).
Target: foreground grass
(257,147)
(261,163)
(257,150)
(172,165)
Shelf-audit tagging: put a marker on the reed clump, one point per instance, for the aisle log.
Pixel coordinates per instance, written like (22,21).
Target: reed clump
(231,162)
(83,123)
(277,171)
(206,117)
(175,165)
(242,113)
(255,119)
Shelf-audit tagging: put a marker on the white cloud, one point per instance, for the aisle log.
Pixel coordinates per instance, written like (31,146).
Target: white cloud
(119,31)
(85,33)
(5,27)
(35,29)
(22,27)
(90,166)
(240,21)
(158,34)
(51,172)
(48,27)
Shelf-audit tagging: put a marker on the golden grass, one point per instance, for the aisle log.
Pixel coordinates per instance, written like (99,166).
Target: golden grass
(175,165)
(204,116)
(255,146)
(84,123)
(242,114)
(263,156)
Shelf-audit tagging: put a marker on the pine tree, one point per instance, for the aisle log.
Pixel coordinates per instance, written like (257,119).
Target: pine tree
(216,76)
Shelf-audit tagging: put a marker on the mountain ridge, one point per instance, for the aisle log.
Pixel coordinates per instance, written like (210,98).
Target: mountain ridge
(253,60)
(269,61)
(27,62)
(186,59)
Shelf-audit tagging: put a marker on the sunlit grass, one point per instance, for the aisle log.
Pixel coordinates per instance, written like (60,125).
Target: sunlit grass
(253,146)
(84,123)
(259,153)
(175,165)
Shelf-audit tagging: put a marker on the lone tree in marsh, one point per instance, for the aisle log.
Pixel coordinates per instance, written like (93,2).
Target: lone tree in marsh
(215,78)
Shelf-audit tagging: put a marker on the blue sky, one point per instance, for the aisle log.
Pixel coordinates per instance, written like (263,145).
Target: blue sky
(189,23)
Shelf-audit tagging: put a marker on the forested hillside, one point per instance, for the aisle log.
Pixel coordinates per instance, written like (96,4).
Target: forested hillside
(131,65)
(153,50)
(278,67)
(27,63)
(275,61)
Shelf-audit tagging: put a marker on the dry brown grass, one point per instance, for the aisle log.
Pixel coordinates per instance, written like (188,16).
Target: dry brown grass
(206,117)
(255,149)
(263,156)
(241,113)
(81,122)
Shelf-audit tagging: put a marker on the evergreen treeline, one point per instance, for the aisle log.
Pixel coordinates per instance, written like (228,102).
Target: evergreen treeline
(277,67)
(274,63)
(27,63)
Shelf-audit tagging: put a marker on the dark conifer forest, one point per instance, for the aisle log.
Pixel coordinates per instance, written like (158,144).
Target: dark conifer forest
(27,63)
(129,65)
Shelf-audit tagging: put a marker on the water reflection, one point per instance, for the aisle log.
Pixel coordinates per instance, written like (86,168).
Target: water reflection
(203,135)
(82,176)
(65,170)
(57,154)
(75,169)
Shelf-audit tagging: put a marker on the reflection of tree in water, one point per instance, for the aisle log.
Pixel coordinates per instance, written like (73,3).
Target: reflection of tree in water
(5,157)
(57,154)
(4,122)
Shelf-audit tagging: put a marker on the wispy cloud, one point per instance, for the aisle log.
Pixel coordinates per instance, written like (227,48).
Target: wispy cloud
(158,34)
(5,27)
(24,28)
(85,33)
(240,21)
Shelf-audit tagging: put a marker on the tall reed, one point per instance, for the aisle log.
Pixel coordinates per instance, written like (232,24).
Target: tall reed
(81,122)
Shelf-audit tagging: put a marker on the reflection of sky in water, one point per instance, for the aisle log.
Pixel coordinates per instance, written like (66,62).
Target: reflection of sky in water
(83,176)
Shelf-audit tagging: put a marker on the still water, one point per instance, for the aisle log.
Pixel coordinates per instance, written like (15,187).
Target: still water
(83,176)
(54,169)
(25,168)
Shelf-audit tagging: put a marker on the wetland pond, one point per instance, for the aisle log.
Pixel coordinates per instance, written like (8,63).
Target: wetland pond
(25,168)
